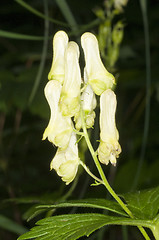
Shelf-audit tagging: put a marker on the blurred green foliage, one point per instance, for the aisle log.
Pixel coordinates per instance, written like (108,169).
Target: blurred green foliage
(24,158)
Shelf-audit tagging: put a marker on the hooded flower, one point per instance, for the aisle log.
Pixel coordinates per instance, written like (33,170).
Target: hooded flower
(88,102)
(59,128)
(60,42)
(98,77)
(70,95)
(66,161)
(109,148)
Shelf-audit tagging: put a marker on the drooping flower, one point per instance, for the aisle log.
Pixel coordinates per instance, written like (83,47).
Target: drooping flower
(59,128)
(70,95)
(88,104)
(98,77)
(60,42)
(66,161)
(109,147)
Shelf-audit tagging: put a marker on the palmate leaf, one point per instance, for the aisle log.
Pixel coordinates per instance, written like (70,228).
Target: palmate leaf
(74,226)
(143,204)
(84,203)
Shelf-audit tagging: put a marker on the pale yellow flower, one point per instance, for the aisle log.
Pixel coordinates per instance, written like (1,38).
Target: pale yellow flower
(98,77)
(70,95)
(60,42)
(59,128)
(88,103)
(66,161)
(109,148)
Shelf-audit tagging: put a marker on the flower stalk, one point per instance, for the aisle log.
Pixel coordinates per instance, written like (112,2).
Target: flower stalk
(103,177)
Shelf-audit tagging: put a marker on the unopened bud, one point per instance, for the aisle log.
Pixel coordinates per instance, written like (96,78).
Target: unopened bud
(70,95)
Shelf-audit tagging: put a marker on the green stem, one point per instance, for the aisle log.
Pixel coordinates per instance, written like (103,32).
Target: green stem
(73,186)
(90,173)
(39,14)
(105,182)
(155,228)
(78,133)
(156,232)
(66,11)
(148,92)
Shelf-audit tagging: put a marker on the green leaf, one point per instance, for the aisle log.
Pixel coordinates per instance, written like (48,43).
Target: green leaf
(33,212)
(128,170)
(66,11)
(89,203)
(39,14)
(73,226)
(86,203)
(11,226)
(143,204)
(19,36)
(48,198)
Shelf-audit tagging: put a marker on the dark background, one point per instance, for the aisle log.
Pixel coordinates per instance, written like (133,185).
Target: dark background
(24,157)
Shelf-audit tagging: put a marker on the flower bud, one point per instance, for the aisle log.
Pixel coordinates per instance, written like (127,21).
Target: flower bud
(88,97)
(88,102)
(103,35)
(109,148)
(117,33)
(70,95)
(113,55)
(66,161)
(60,42)
(59,128)
(98,77)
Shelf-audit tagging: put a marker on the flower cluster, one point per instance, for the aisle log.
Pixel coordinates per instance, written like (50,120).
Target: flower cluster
(68,95)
